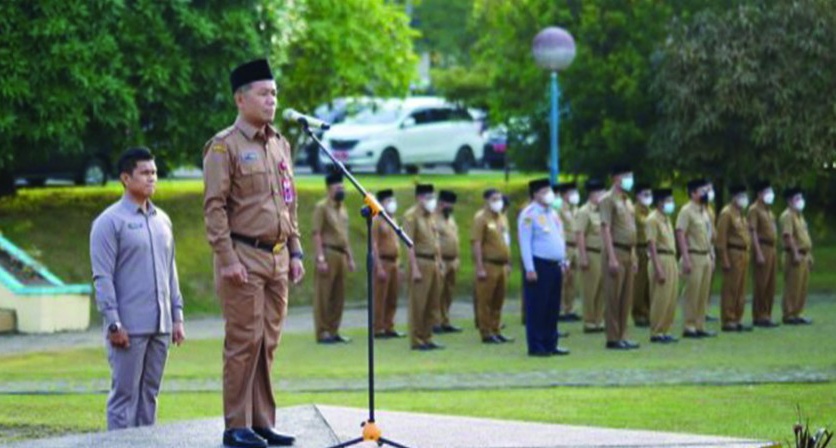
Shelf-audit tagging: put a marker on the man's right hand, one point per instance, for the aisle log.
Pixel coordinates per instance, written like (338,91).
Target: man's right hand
(119,338)
(614,267)
(660,277)
(416,275)
(236,273)
(531,276)
(760,259)
(322,267)
(381,274)
(686,267)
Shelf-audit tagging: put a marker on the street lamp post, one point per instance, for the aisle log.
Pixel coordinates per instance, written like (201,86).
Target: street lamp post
(554,50)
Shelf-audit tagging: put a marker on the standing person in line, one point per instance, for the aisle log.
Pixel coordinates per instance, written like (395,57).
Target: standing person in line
(448,237)
(798,258)
(588,238)
(641,293)
(569,198)
(250,209)
(764,236)
(334,260)
(693,236)
(386,251)
(712,235)
(733,255)
(618,232)
(137,292)
(662,269)
(543,253)
(490,239)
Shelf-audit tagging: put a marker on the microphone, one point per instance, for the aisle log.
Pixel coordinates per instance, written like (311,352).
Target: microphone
(305,120)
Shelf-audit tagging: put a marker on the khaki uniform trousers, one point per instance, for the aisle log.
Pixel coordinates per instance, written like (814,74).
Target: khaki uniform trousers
(423,302)
(386,297)
(663,295)
(763,296)
(618,294)
(733,295)
(490,297)
(641,290)
(448,287)
(329,295)
(796,278)
(593,292)
(696,289)
(253,314)
(569,291)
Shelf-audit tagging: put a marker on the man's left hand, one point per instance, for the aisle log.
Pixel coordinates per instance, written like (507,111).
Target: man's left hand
(297,271)
(178,333)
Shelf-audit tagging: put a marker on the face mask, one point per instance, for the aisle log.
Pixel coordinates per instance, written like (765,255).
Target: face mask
(496,206)
(339,196)
(769,197)
(391,207)
(627,183)
(558,203)
(743,202)
(799,205)
(668,208)
(574,198)
(710,195)
(646,200)
(704,198)
(430,205)
(548,198)
(447,212)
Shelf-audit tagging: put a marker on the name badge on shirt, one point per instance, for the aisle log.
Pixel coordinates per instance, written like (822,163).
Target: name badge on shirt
(544,223)
(249,157)
(135,225)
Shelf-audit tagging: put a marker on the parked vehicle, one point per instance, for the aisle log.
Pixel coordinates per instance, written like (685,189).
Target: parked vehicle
(407,134)
(496,147)
(91,167)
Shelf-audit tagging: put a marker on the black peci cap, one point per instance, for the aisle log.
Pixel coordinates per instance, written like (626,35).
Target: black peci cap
(333,178)
(593,185)
(538,184)
(660,194)
(424,189)
(696,184)
(762,185)
(735,190)
(447,196)
(383,195)
(257,70)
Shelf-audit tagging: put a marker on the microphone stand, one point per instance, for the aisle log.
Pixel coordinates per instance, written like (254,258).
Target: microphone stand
(371,432)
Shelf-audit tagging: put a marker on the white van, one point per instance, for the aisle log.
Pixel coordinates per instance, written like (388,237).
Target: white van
(407,134)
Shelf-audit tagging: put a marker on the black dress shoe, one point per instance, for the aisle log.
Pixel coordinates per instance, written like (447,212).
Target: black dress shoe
(243,438)
(731,328)
(589,330)
(571,317)
(631,345)
(422,347)
(435,346)
(328,340)
(798,321)
(502,338)
(274,438)
(560,351)
(765,324)
(616,345)
(451,329)
(671,339)
(341,339)
(691,334)
(661,339)
(706,334)
(394,334)
(383,335)
(491,340)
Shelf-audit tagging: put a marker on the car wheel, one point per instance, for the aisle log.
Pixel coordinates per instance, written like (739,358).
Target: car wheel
(389,162)
(93,173)
(36,181)
(464,161)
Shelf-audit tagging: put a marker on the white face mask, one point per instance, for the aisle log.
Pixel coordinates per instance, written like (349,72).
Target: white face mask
(558,203)
(548,198)
(496,206)
(669,207)
(710,195)
(574,198)
(627,183)
(391,207)
(430,205)
(799,205)
(768,197)
(742,201)
(646,200)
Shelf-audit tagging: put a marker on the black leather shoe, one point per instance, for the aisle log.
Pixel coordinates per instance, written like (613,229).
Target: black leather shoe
(451,329)
(243,438)
(491,340)
(435,346)
(503,338)
(798,321)
(328,340)
(571,317)
(422,347)
(274,438)
(658,339)
(560,351)
(765,324)
(731,328)
(341,339)
(394,334)
(671,339)
(691,335)
(593,330)
(616,345)
(706,334)
(631,345)
(383,335)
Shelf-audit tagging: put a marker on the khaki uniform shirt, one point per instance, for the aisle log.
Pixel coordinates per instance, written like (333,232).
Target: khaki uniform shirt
(642,213)
(491,230)
(386,240)
(567,216)
(618,214)
(659,230)
(762,221)
(330,220)
(419,226)
(588,222)
(794,224)
(732,230)
(695,222)
(448,236)
(249,189)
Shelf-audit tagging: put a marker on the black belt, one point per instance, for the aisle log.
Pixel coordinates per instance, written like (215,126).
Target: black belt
(624,247)
(766,242)
(449,258)
(736,247)
(698,252)
(336,249)
(594,250)
(549,262)
(496,262)
(665,252)
(425,256)
(388,258)
(273,247)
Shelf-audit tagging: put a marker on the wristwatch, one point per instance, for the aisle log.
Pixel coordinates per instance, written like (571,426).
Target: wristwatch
(114,327)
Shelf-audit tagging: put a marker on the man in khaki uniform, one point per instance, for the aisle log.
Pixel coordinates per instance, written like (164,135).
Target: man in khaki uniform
(385,249)
(641,291)
(618,233)
(424,268)
(693,235)
(490,238)
(334,261)
(569,200)
(448,235)
(798,258)
(733,253)
(250,214)
(712,218)
(588,238)
(662,270)
(764,237)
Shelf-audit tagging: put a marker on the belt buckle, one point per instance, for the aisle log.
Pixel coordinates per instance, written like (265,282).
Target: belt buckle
(278,247)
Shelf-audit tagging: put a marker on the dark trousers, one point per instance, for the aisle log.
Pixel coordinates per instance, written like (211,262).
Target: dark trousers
(542,306)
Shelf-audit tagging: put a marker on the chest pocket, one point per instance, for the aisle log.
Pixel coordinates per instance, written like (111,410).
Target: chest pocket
(253,173)
(134,237)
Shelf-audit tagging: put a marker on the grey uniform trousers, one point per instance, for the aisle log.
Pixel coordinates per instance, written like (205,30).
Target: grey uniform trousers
(136,375)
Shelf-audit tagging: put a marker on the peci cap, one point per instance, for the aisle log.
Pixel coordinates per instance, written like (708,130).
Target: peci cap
(447,196)
(538,184)
(256,70)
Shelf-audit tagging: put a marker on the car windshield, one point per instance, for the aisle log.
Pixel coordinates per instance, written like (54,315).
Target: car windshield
(386,113)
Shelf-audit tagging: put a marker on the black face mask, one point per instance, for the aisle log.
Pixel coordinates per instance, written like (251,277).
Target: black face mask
(447,212)
(704,198)
(339,196)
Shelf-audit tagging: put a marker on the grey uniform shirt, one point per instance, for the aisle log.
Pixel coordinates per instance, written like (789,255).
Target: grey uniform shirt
(134,271)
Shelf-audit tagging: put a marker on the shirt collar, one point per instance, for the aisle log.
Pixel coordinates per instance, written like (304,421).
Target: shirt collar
(252,132)
(133,208)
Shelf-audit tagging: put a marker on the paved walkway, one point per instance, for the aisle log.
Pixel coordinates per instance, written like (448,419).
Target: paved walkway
(323,426)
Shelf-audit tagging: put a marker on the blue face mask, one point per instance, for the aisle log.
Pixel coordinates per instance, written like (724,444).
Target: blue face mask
(668,208)
(627,183)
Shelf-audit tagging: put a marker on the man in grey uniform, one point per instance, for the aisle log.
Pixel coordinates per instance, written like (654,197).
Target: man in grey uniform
(137,292)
